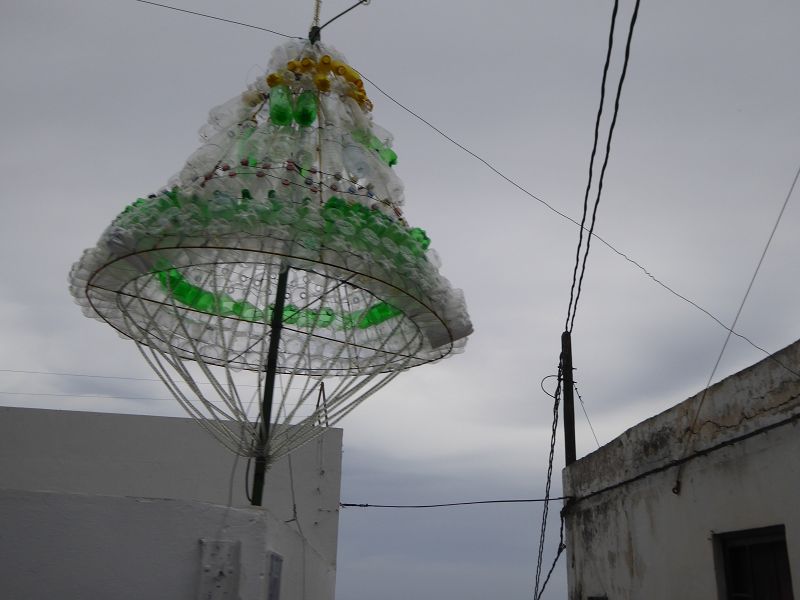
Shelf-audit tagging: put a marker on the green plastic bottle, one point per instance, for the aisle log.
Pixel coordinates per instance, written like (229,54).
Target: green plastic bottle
(280,105)
(388,156)
(305,109)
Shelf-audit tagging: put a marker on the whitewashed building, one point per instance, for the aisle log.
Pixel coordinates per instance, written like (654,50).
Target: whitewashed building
(125,507)
(729,530)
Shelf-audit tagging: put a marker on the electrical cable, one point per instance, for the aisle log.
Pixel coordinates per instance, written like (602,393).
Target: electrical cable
(86,396)
(572,309)
(690,431)
(30,372)
(78,375)
(344,12)
(106,396)
(607,155)
(247,480)
(561,547)
(541,385)
(530,195)
(591,161)
(448,504)
(546,507)
(593,235)
(191,12)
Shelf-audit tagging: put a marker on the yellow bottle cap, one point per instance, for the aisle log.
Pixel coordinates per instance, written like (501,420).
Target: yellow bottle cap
(323,83)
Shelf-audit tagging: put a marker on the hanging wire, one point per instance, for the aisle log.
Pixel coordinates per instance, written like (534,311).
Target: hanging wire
(561,547)
(449,504)
(607,155)
(344,12)
(690,432)
(191,12)
(546,508)
(539,589)
(591,162)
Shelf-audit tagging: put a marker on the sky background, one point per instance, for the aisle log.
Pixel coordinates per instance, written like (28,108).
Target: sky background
(101,104)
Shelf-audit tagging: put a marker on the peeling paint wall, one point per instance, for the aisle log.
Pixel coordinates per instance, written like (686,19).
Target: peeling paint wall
(629,536)
(113,506)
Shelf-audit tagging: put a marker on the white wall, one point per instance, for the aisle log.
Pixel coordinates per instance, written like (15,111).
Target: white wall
(86,547)
(127,490)
(640,540)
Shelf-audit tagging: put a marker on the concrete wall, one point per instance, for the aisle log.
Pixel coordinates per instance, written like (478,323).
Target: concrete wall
(80,492)
(629,536)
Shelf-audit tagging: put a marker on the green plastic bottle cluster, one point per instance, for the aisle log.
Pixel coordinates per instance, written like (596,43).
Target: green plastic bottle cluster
(171,212)
(283,108)
(372,226)
(371,141)
(197,298)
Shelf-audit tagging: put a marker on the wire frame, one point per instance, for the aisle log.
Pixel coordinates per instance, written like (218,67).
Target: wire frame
(331,355)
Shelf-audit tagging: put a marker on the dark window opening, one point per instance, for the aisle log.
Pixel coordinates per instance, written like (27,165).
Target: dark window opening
(754,564)
(274,582)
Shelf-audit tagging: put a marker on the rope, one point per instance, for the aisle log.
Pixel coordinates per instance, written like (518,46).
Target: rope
(317,8)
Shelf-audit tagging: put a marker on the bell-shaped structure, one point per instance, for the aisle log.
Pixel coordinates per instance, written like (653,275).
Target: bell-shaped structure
(280,251)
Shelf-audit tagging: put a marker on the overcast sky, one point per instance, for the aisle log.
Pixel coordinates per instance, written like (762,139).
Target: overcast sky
(101,104)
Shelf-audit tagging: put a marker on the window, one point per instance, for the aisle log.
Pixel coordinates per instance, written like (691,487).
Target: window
(753,565)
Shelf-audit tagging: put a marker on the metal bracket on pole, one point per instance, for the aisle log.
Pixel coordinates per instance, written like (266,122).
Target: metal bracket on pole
(569,400)
(276,324)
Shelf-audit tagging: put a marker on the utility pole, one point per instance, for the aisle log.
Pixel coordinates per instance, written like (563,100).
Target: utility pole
(569,399)
(276,324)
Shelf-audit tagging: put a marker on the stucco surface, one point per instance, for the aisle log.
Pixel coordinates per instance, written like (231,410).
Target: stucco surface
(101,502)
(629,535)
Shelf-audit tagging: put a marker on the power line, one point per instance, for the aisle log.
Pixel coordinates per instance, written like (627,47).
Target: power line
(191,12)
(591,162)
(565,363)
(448,504)
(521,189)
(31,372)
(592,234)
(607,152)
(537,591)
(86,396)
(343,13)
(112,397)
(77,375)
